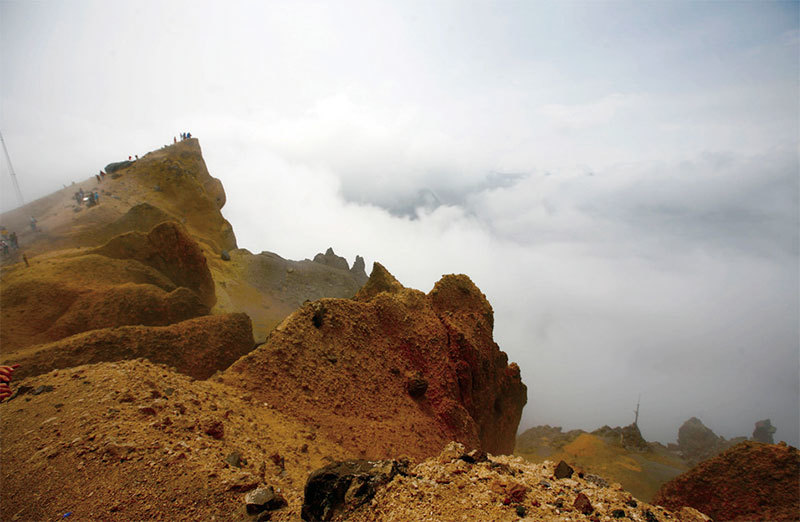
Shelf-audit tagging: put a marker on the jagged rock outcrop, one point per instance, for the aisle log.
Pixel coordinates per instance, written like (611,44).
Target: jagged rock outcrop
(346,363)
(697,442)
(358,270)
(750,481)
(763,431)
(269,288)
(197,347)
(169,249)
(628,437)
(332,260)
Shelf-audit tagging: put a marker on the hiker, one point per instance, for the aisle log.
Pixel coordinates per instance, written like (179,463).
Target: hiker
(5,246)
(33,223)
(13,239)
(137,157)
(96,197)
(6,373)
(174,140)
(188,135)
(98,177)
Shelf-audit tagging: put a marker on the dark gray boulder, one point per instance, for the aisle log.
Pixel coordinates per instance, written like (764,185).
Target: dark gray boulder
(113,167)
(343,486)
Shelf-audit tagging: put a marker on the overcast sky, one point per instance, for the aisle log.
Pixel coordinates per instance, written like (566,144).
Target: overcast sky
(620,179)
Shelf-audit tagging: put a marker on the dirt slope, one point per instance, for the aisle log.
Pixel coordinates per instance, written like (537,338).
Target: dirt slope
(137,441)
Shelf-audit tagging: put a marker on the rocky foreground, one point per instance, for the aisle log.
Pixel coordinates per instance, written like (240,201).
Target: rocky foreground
(132,440)
(461,485)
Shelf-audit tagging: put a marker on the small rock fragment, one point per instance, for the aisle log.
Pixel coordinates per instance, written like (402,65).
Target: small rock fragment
(520,510)
(650,517)
(563,470)
(582,504)
(263,499)
(516,492)
(416,386)
(243,482)
(147,410)
(596,480)
(234,459)
(618,513)
(215,429)
(42,389)
(278,460)
(474,456)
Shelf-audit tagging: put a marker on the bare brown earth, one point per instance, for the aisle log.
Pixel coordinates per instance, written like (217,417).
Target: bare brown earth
(136,441)
(346,366)
(750,481)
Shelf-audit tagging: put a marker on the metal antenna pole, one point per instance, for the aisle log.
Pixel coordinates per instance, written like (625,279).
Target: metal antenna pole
(636,419)
(13,175)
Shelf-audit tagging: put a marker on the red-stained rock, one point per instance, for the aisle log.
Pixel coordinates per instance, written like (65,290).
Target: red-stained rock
(750,481)
(348,363)
(583,504)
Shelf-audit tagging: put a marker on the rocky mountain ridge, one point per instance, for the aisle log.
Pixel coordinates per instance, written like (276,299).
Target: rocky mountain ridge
(117,308)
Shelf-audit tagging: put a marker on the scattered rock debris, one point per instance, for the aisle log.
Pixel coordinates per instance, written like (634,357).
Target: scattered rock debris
(449,488)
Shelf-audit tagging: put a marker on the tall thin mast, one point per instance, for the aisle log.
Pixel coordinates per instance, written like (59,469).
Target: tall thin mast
(11,168)
(636,419)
